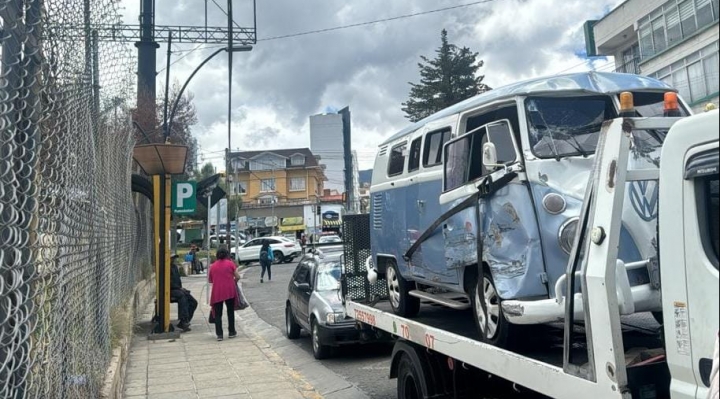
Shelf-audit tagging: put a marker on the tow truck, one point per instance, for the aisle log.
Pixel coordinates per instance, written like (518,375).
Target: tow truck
(601,348)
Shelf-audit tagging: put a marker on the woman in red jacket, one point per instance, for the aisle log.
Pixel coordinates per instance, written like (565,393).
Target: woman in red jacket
(223,276)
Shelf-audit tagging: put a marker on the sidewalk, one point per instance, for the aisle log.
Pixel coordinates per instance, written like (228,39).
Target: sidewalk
(198,366)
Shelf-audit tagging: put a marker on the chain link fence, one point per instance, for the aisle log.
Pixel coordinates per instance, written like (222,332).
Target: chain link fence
(74,241)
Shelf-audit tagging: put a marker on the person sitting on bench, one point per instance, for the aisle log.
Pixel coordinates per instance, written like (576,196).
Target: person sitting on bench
(186,303)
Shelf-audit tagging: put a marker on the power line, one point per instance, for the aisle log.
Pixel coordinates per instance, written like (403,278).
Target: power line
(375,21)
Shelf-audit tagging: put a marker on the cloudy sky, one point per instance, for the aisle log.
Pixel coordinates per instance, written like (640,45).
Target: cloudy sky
(283,81)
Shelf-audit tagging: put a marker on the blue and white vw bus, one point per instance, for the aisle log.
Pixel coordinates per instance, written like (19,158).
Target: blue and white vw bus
(426,205)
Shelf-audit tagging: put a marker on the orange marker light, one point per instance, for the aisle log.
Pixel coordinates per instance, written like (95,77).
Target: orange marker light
(671,101)
(670,105)
(627,106)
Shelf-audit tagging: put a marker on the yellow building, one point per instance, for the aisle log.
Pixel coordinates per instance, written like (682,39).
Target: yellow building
(276,185)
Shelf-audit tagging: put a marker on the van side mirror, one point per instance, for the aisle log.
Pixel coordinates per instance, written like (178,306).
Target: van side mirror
(489,156)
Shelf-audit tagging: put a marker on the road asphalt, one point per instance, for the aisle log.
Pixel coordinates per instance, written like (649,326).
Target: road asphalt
(366,367)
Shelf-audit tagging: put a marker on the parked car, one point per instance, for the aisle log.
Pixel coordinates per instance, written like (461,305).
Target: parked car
(329,239)
(214,240)
(284,250)
(315,304)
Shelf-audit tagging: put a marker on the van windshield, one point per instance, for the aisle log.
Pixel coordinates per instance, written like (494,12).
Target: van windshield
(570,126)
(566,126)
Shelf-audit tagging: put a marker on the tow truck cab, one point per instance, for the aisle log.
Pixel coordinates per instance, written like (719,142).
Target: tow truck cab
(689,240)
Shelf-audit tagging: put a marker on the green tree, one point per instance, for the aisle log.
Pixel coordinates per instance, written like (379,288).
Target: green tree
(206,171)
(451,77)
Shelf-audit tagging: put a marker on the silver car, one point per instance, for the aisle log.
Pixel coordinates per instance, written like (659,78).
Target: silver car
(315,304)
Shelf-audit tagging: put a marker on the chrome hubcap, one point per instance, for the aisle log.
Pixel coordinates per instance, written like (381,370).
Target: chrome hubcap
(393,287)
(489,314)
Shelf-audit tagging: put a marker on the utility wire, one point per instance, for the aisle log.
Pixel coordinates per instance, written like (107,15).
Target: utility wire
(373,22)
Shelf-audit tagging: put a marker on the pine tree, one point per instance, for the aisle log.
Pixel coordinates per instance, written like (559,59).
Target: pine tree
(446,80)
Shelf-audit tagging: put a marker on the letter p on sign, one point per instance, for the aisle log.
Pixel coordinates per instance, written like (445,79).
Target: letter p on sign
(183,198)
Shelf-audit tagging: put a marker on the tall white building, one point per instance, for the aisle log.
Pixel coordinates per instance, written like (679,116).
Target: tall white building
(356,185)
(675,41)
(326,141)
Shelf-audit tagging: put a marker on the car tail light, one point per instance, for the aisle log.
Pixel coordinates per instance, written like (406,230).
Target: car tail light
(289,245)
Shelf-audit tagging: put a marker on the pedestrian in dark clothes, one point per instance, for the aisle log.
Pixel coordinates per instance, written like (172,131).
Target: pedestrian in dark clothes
(266,259)
(186,303)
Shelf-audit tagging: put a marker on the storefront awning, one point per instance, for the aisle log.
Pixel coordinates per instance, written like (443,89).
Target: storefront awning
(297,227)
(331,223)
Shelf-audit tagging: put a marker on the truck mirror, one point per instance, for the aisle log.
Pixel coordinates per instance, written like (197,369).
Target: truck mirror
(489,156)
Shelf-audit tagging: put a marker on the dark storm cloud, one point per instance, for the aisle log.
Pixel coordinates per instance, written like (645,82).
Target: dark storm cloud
(368,67)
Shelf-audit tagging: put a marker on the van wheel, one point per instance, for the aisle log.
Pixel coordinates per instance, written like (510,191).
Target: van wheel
(494,329)
(401,302)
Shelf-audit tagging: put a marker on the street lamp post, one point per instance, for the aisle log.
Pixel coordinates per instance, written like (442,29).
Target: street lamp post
(168,123)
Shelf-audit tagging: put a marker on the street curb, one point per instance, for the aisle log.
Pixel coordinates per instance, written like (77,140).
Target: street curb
(323,380)
(114,382)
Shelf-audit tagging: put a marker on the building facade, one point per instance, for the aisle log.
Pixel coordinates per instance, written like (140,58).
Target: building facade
(326,141)
(275,187)
(674,41)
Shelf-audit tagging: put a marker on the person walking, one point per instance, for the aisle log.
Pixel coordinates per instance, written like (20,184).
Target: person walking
(266,260)
(223,275)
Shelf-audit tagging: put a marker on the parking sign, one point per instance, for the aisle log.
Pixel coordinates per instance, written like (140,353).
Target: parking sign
(183,197)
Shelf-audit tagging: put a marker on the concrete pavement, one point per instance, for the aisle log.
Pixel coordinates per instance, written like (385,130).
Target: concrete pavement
(197,366)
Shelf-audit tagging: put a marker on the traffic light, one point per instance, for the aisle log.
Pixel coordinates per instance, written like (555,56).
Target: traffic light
(317,210)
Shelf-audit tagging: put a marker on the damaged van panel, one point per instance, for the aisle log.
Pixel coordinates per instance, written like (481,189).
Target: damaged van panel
(510,242)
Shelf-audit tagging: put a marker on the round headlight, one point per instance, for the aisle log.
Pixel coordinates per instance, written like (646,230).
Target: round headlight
(554,203)
(566,235)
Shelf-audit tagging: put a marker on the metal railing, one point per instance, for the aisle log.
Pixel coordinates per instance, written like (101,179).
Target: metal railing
(73,239)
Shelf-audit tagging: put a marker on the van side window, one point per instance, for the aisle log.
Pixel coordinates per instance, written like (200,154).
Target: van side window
(434,141)
(501,135)
(463,159)
(414,162)
(396,164)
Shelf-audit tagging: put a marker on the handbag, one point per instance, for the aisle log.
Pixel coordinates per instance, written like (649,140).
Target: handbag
(211,319)
(240,301)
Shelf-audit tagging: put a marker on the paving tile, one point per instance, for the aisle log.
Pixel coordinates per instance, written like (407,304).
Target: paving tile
(279,385)
(170,386)
(168,366)
(218,391)
(169,360)
(276,394)
(130,391)
(218,382)
(214,375)
(175,395)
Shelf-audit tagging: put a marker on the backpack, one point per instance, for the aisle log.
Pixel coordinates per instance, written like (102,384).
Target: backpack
(264,256)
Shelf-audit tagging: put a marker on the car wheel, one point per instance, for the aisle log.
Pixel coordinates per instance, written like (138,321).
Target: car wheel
(278,257)
(398,288)
(494,329)
(320,351)
(292,328)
